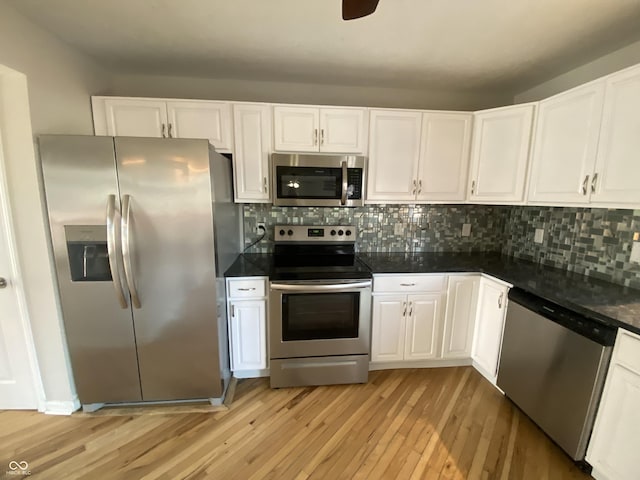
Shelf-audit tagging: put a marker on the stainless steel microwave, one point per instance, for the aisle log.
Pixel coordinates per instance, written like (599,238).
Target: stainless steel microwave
(314,180)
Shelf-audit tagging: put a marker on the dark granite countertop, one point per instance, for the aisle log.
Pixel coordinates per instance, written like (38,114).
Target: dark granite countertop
(605,302)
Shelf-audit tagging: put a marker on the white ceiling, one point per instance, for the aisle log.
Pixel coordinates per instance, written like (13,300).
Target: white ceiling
(461,45)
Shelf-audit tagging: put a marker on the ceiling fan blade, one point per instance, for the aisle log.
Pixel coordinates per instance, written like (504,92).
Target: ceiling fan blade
(352,9)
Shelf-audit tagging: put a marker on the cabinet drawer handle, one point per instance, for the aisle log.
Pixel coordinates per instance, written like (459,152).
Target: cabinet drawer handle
(233,311)
(170,135)
(163,131)
(407,284)
(315,136)
(322,137)
(594,182)
(266,189)
(473,187)
(583,188)
(419,186)
(410,309)
(404,306)
(247,289)
(415,185)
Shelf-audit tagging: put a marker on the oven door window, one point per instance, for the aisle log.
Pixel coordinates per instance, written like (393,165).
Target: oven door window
(309,182)
(315,316)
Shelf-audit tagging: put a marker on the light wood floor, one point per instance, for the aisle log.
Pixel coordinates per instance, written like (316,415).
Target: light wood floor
(446,423)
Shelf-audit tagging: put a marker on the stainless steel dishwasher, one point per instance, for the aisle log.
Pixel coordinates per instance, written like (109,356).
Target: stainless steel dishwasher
(553,365)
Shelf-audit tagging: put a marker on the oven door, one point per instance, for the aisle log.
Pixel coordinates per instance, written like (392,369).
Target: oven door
(319,318)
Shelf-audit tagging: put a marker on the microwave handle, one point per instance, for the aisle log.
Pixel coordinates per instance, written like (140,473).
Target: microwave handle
(345,186)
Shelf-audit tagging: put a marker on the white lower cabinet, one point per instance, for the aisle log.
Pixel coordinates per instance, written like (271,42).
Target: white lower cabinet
(459,320)
(613,449)
(247,308)
(406,326)
(490,315)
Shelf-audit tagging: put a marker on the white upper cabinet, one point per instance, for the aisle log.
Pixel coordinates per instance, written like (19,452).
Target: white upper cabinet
(394,154)
(499,154)
(565,145)
(134,117)
(342,130)
(201,119)
(252,133)
(444,157)
(319,129)
(616,177)
(152,117)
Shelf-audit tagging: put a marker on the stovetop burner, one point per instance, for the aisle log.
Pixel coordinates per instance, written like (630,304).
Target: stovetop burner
(317,253)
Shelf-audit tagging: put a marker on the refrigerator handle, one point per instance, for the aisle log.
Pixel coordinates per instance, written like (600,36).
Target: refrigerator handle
(126,250)
(111,251)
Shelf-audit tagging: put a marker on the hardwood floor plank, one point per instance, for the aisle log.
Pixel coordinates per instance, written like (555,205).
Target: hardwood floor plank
(437,424)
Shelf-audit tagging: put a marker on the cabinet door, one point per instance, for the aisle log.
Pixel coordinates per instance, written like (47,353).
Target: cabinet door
(136,117)
(296,129)
(202,119)
(499,154)
(252,133)
(342,130)
(248,335)
(492,301)
(394,151)
(423,327)
(462,302)
(564,149)
(617,164)
(388,328)
(444,157)
(613,449)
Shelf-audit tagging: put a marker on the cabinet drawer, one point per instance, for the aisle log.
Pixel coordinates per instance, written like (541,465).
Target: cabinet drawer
(409,283)
(247,288)
(627,350)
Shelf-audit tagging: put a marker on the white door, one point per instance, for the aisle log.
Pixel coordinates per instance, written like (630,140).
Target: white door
(462,302)
(201,119)
(342,130)
(444,157)
(613,451)
(17,368)
(492,300)
(252,133)
(423,327)
(394,152)
(499,154)
(296,129)
(617,164)
(564,149)
(388,328)
(248,335)
(135,117)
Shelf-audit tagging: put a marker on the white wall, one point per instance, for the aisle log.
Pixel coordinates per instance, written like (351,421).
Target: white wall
(617,60)
(60,82)
(318,94)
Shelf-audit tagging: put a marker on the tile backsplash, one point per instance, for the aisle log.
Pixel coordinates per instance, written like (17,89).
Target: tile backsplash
(591,241)
(424,228)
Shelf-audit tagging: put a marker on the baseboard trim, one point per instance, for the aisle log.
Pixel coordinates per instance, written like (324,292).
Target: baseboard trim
(65,407)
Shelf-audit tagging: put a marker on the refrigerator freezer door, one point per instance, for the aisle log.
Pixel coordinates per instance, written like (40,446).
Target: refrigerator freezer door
(80,180)
(171,264)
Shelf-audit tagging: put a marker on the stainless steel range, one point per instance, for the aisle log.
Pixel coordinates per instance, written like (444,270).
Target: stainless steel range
(320,308)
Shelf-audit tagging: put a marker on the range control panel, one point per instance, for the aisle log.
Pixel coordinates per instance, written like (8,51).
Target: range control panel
(310,233)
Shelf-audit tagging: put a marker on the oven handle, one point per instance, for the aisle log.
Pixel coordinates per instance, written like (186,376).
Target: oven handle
(319,288)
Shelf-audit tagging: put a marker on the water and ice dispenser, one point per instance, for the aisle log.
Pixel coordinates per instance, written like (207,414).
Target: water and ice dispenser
(87,251)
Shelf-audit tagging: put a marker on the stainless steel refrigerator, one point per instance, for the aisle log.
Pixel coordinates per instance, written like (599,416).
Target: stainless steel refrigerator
(142,230)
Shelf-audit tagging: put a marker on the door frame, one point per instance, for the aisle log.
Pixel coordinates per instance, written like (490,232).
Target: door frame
(6,90)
